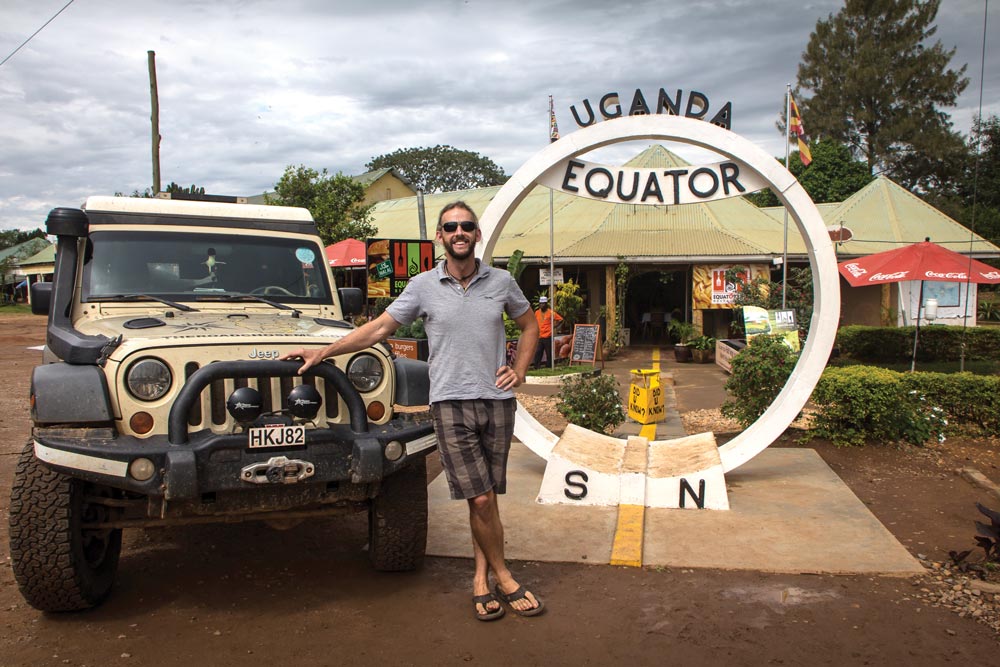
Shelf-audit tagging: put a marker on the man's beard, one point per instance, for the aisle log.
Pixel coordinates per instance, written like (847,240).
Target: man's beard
(460,256)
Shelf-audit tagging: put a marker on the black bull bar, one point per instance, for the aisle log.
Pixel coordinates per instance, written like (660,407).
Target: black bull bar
(177,433)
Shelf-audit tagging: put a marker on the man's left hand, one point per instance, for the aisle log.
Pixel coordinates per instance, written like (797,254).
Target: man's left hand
(508,378)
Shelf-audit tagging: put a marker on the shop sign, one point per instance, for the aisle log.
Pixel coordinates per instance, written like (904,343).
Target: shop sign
(392,262)
(711,289)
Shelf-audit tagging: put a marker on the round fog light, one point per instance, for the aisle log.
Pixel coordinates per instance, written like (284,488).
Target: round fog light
(304,401)
(244,404)
(142,469)
(394,450)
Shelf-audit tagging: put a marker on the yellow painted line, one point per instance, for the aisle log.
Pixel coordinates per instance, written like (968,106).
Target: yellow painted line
(648,431)
(627,547)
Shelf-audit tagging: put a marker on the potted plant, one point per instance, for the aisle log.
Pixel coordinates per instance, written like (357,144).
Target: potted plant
(702,348)
(410,340)
(681,331)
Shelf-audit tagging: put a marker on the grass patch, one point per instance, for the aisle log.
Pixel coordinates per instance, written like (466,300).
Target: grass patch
(561,370)
(15,309)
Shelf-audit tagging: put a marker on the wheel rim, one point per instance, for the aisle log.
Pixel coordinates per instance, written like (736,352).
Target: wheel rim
(95,543)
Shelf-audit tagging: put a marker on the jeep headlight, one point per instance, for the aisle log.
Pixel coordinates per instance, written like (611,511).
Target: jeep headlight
(148,379)
(365,372)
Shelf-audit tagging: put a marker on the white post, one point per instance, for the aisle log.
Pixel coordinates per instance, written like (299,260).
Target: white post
(784,246)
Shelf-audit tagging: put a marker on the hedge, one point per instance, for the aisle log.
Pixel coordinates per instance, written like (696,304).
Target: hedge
(858,403)
(938,342)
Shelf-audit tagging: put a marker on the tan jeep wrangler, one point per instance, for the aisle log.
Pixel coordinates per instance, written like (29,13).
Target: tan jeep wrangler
(163,402)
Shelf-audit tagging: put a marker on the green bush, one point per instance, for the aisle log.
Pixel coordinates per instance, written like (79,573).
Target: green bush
(591,402)
(860,403)
(937,343)
(759,372)
(413,330)
(969,401)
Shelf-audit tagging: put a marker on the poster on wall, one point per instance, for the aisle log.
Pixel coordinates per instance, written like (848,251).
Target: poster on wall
(757,321)
(710,287)
(392,262)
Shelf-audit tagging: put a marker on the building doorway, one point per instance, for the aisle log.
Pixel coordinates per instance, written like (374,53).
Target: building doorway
(654,298)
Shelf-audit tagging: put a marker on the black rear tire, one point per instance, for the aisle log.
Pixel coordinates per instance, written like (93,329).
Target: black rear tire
(397,520)
(60,564)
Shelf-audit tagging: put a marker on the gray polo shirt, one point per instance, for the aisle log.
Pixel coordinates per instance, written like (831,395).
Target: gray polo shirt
(464,327)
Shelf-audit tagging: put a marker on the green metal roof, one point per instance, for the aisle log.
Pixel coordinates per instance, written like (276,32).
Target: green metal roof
(880,216)
(45,256)
(25,249)
(588,230)
(883,215)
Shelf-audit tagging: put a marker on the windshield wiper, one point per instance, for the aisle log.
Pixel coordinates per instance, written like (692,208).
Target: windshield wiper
(151,297)
(253,297)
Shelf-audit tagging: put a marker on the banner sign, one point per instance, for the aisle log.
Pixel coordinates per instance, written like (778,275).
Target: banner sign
(392,262)
(711,289)
(757,321)
(625,185)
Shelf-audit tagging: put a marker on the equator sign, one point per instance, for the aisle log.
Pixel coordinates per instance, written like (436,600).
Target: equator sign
(751,165)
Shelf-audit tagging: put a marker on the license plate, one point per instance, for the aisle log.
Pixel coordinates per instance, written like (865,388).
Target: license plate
(277,435)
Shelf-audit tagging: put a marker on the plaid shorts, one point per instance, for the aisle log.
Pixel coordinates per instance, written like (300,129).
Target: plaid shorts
(474,440)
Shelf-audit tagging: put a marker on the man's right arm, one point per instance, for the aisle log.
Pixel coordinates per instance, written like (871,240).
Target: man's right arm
(363,337)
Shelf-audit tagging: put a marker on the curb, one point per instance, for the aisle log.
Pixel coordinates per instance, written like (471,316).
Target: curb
(977,478)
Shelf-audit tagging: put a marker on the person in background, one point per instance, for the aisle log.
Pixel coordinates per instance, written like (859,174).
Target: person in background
(463,302)
(543,316)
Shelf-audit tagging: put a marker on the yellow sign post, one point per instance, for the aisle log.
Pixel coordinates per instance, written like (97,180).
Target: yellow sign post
(645,397)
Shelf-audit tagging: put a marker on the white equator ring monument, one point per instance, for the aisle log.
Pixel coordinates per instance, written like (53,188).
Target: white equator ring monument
(555,164)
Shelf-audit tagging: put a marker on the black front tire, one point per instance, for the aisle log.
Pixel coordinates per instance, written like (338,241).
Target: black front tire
(397,520)
(60,564)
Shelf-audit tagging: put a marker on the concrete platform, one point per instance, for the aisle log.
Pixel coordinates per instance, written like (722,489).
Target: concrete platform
(789,513)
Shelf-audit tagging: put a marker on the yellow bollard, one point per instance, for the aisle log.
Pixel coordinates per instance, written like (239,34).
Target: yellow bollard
(645,397)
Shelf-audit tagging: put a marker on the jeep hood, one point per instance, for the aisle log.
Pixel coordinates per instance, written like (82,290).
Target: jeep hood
(183,327)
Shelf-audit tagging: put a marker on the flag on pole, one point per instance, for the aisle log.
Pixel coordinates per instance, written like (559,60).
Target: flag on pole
(553,127)
(796,127)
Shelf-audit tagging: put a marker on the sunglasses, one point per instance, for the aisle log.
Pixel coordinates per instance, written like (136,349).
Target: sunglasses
(467,226)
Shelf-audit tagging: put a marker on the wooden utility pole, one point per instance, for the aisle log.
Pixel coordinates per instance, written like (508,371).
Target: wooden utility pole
(155,117)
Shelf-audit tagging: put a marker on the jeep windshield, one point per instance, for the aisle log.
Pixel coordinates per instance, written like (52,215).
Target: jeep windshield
(187,266)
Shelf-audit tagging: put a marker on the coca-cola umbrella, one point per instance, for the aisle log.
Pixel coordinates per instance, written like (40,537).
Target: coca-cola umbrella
(347,253)
(919,261)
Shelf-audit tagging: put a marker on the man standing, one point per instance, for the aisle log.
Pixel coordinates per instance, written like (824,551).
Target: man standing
(463,302)
(544,317)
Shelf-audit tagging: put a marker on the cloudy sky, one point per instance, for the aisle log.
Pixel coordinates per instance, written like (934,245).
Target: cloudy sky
(247,87)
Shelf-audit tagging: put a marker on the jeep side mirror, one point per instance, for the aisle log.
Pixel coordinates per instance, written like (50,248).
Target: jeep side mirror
(351,302)
(41,298)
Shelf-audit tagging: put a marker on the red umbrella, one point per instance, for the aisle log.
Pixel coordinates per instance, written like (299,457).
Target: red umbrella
(346,253)
(920,261)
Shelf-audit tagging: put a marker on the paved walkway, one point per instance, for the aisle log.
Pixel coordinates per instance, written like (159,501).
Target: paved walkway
(789,511)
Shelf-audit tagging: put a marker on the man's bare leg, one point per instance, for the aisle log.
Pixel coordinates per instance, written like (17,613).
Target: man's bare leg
(487,535)
(481,581)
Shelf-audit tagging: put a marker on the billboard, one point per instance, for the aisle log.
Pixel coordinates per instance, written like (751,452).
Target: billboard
(392,262)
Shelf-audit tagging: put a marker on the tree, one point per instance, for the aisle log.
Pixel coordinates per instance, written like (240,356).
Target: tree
(878,87)
(975,198)
(441,168)
(832,176)
(172,188)
(335,202)
(980,188)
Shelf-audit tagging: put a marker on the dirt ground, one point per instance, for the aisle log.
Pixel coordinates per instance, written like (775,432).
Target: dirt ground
(248,594)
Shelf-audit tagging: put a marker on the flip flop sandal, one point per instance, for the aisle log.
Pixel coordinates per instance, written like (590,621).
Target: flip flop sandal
(484,600)
(520,594)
